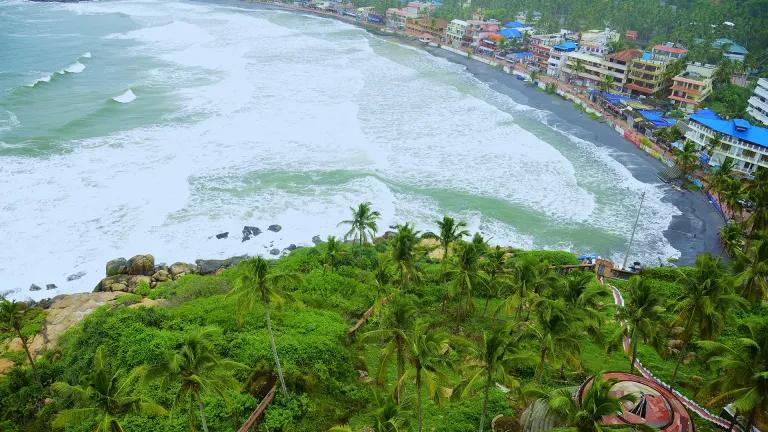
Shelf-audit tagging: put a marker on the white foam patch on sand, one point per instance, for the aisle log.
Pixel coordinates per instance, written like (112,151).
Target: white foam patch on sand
(126,97)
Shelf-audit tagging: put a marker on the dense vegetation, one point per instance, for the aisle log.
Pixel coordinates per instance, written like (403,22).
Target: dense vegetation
(445,331)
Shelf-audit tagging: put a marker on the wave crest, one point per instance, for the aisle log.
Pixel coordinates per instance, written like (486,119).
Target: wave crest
(127,97)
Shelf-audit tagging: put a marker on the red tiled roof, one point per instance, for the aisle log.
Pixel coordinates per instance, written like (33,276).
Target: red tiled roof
(670,49)
(627,55)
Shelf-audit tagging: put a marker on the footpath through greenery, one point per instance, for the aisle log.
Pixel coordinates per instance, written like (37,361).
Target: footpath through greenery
(461,332)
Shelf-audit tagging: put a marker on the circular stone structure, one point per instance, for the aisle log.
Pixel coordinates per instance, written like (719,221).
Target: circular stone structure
(655,406)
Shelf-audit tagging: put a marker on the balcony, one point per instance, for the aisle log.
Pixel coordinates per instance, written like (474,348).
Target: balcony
(759,104)
(686,90)
(762,92)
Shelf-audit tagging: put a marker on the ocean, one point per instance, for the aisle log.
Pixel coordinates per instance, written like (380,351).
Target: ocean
(140,126)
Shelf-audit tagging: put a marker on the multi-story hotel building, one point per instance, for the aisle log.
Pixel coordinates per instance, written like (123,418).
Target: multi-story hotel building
(758,103)
(746,143)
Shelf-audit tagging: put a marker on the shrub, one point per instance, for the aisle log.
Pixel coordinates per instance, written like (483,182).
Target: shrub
(552,257)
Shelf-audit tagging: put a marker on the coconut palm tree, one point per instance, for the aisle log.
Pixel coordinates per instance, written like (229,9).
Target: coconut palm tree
(742,371)
(732,238)
(362,226)
(388,416)
(397,320)
(491,361)
(758,195)
(705,303)
(585,414)
(719,179)
(14,316)
(640,316)
(714,144)
(258,285)
(752,271)
(198,370)
(687,158)
(606,84)
(332,252)
(403,252)
(427,351)
(450,232)
(102,395)
(733,194)
(583,297)
(529,277)
(494,265)
(557,335)
(467,277)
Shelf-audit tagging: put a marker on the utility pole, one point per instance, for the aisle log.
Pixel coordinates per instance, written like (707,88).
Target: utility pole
(634,228)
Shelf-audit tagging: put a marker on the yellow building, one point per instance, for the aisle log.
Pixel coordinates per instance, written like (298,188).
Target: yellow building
(646,76)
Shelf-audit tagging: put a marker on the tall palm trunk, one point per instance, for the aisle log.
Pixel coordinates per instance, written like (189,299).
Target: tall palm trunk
(25,345)
(633,343)
(283,388)
(419,414)
(685,346)
(400,368)
(540,371)
(487,392)
(201,407)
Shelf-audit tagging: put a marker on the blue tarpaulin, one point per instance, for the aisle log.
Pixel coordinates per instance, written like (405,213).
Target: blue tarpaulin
(519,56)
(567,46)
(514,24)
(510,33)
(657,118)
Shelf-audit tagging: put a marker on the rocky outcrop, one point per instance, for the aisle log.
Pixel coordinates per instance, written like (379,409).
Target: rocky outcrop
(274,251)
(117,266)
(75,276)
(179,269)
(250,231)
(275,228)
(222,235)
(141,265)
(212,266)
(34,287)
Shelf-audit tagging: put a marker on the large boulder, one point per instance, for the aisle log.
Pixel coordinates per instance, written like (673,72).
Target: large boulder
(76,276)
(141,265)
(114,283)
(212,266)
(274,251)
(34,287)
(275,228)
(161,276)
(222,235)
(117,266)
(180,269)
(250,231)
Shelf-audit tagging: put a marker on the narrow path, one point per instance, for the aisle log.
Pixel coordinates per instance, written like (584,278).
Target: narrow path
(691,405)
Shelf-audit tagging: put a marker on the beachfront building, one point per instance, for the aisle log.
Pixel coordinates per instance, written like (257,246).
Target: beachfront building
(646,75)
(731,49)
(558,56)
(396,18)
(426,28)
(594,70)
(758,103)
(668,52)
(540,47)
(456,33)
(692,86)
(597,41)
(742,141)
(478,30)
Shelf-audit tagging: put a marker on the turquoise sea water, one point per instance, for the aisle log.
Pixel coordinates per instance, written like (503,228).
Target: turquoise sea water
(150,126)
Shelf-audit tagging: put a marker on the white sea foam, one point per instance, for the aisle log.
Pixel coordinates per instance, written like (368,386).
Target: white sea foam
(126,97)
(86,55)
(44,79)
(295,122)
(75,68)
(8,120)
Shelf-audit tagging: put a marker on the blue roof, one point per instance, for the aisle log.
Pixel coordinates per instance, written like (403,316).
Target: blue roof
(615,99)
(647,56)
(567,46)
(514,24)
(733,47)
(657,118)
(738,128)
(520,55)
(510,33)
